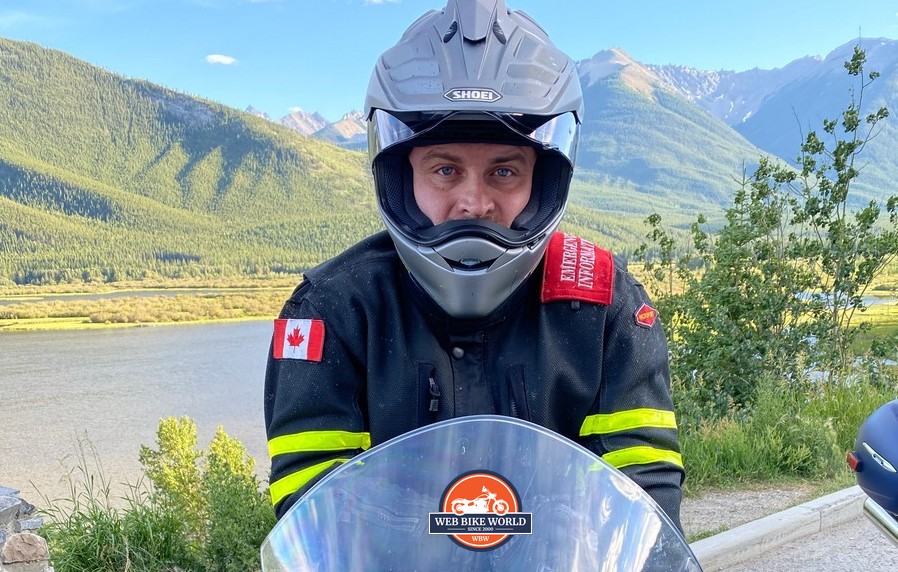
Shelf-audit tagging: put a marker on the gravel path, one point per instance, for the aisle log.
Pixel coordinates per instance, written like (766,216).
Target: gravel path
(717,511)
(854,545)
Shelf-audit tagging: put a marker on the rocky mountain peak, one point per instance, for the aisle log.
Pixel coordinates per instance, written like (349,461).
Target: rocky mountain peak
(304,123)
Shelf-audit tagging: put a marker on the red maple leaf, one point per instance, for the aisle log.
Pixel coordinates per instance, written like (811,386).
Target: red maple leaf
(295,338)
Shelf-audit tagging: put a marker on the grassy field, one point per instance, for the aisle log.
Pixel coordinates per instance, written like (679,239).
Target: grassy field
(189,301)
(134,304)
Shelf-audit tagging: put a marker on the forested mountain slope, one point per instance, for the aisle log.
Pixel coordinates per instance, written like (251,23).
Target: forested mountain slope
(103,176)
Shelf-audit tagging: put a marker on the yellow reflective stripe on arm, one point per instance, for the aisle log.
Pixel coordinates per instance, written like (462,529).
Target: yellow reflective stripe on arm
(642,455)
(317,441)
(604,423)
(288,485)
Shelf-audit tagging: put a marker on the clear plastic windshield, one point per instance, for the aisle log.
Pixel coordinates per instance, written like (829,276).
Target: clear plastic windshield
(476,493)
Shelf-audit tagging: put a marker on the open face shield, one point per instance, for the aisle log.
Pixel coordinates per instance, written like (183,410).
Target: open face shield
(558,134)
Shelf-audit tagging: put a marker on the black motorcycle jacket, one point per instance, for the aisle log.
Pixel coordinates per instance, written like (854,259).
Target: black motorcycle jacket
(361,354)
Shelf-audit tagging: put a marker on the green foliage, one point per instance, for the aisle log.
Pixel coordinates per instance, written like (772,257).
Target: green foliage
(174,472)
(204,512)
(90,531)
(216,492)
(786,433)
(239,517)
(773,293)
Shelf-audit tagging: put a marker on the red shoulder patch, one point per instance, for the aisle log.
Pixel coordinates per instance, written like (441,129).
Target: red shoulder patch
(576,269)
(646,316)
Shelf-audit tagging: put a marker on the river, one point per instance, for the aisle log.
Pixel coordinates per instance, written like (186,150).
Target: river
(109,388)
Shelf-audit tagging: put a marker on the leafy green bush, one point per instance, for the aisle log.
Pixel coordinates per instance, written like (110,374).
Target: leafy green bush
(198,511)
(238,516)
(88,531)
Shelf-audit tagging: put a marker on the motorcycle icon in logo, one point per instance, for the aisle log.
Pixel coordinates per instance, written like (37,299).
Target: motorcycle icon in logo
(485,503)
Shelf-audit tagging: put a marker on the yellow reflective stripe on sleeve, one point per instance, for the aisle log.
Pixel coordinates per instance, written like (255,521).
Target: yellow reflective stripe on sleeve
(642,455)
(288,485)
(317,441)
(604,423)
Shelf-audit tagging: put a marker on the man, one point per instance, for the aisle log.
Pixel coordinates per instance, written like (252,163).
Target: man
(471,302)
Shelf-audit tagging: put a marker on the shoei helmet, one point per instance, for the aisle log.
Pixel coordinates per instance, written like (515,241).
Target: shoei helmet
(474,72)
(875,456)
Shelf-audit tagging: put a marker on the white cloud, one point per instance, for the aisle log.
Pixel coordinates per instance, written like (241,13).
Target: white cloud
(367,2)
(220,59)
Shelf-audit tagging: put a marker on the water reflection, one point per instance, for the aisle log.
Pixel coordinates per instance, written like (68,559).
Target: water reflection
(113,386)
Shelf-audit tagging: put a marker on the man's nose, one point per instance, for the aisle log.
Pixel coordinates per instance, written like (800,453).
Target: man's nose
(475,200)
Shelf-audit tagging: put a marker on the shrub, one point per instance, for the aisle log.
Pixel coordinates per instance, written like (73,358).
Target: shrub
(197,511)
(788,433)
(87,532)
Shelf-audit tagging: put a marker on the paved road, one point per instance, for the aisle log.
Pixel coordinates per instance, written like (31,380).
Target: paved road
(856,545)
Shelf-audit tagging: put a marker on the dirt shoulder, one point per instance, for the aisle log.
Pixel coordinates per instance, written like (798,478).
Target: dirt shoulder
(716,511)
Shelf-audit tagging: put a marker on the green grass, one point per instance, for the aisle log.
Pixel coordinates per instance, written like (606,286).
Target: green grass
(214,522)
(789,433)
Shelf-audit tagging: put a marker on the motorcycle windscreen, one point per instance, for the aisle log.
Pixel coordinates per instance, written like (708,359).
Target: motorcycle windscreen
(476,493)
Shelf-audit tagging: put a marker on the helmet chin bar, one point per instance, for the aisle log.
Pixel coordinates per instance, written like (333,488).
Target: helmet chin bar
(471,254)
(469,277)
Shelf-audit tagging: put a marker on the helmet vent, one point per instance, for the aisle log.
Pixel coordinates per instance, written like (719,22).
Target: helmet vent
(499,33)
(451,32)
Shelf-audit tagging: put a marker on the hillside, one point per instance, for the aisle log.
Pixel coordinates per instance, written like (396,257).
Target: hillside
(109,178)
(657,149)
(103,177)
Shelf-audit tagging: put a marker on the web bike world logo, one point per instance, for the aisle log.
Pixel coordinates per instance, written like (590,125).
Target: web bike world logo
(480,510)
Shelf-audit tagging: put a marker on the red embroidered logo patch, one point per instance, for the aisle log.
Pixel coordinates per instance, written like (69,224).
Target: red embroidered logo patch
(576,269)
(646,316)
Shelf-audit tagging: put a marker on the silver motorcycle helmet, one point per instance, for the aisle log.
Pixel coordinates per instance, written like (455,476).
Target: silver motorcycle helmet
(474,72)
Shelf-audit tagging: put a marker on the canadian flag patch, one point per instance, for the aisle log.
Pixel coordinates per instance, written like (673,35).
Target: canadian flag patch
(298,339)
(576,269)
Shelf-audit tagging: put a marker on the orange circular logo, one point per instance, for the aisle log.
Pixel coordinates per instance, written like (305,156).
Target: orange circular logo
(480,510)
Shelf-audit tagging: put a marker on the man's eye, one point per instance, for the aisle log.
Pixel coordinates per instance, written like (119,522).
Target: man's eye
(445,171)
(504,172)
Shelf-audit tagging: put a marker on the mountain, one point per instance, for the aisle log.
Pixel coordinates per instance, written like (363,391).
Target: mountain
(731,96)
(776,109)
(350,132)
(303,123)
(649,145)
(106,178)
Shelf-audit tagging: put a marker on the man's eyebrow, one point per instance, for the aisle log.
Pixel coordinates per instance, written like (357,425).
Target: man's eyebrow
(441,154)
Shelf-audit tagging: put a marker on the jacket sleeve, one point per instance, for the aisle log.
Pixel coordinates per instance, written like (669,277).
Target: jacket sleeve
(312,410)
(632,423)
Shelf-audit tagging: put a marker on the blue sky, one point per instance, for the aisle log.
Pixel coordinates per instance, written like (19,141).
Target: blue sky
(317,55)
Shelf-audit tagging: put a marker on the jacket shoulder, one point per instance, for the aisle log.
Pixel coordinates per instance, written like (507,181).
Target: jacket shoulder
(357,266)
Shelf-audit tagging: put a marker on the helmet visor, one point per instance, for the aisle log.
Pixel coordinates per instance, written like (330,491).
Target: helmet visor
(558,134)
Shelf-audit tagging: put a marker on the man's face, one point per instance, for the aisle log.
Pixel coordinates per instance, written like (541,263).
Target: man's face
(459,181)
